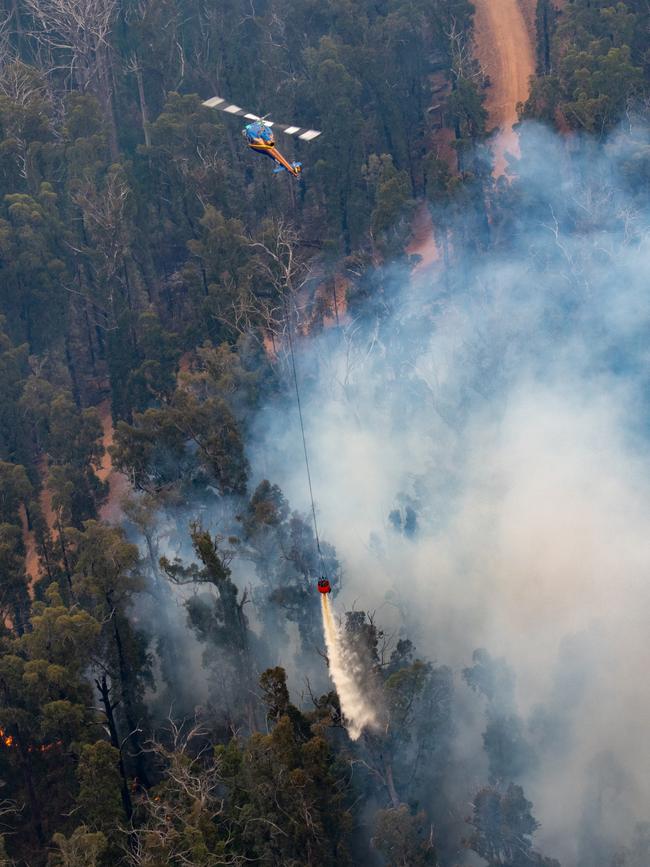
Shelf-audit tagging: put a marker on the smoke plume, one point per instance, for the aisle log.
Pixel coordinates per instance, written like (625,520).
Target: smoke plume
(481,461)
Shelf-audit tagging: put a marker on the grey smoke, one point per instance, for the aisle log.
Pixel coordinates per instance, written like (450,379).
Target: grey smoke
(505,400)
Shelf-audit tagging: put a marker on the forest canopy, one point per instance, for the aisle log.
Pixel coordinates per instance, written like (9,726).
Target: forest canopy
(154,275)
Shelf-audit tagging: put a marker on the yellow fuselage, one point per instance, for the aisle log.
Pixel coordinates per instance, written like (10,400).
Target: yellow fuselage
(269,149)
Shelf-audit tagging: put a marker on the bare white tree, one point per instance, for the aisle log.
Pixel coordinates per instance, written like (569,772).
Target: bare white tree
(75,34)
(78,29)
(106,225)
(25,88)
(283,269)
(7,50)
(192,787)
(284,304)
(133,65)
(83,848)
(463,55)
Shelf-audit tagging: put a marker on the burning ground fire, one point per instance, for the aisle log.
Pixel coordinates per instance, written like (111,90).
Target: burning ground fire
(10,741)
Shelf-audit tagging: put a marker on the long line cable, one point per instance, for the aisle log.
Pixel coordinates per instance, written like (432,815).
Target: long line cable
(302,430)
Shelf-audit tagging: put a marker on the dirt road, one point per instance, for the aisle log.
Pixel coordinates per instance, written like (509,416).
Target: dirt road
(118,486)
(504,46)
(423,239)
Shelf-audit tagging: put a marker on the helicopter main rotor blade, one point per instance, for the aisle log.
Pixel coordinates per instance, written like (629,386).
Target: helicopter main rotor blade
(230,108)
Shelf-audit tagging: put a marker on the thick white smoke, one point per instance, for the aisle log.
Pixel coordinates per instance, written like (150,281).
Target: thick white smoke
(506,404)
(356,707)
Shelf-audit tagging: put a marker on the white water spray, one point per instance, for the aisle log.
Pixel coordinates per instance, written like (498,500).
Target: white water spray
(358,713)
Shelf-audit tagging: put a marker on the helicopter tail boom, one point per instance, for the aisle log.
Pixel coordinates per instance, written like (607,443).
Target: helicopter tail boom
(271,151)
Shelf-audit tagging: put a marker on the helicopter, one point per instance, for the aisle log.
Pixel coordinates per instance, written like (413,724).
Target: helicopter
(259,134)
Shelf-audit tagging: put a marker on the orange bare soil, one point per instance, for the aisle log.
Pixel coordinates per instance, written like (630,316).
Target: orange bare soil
(423,241)
(117,482)
(269,346)
(104,410)
(185,363)
(337,299)
(32,565)
(110,511)
(504,48)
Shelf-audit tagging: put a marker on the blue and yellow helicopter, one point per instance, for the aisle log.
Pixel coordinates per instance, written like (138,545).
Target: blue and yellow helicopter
(259,134)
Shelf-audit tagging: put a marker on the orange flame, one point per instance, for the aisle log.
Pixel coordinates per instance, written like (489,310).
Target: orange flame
(7,740)
(10,741)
